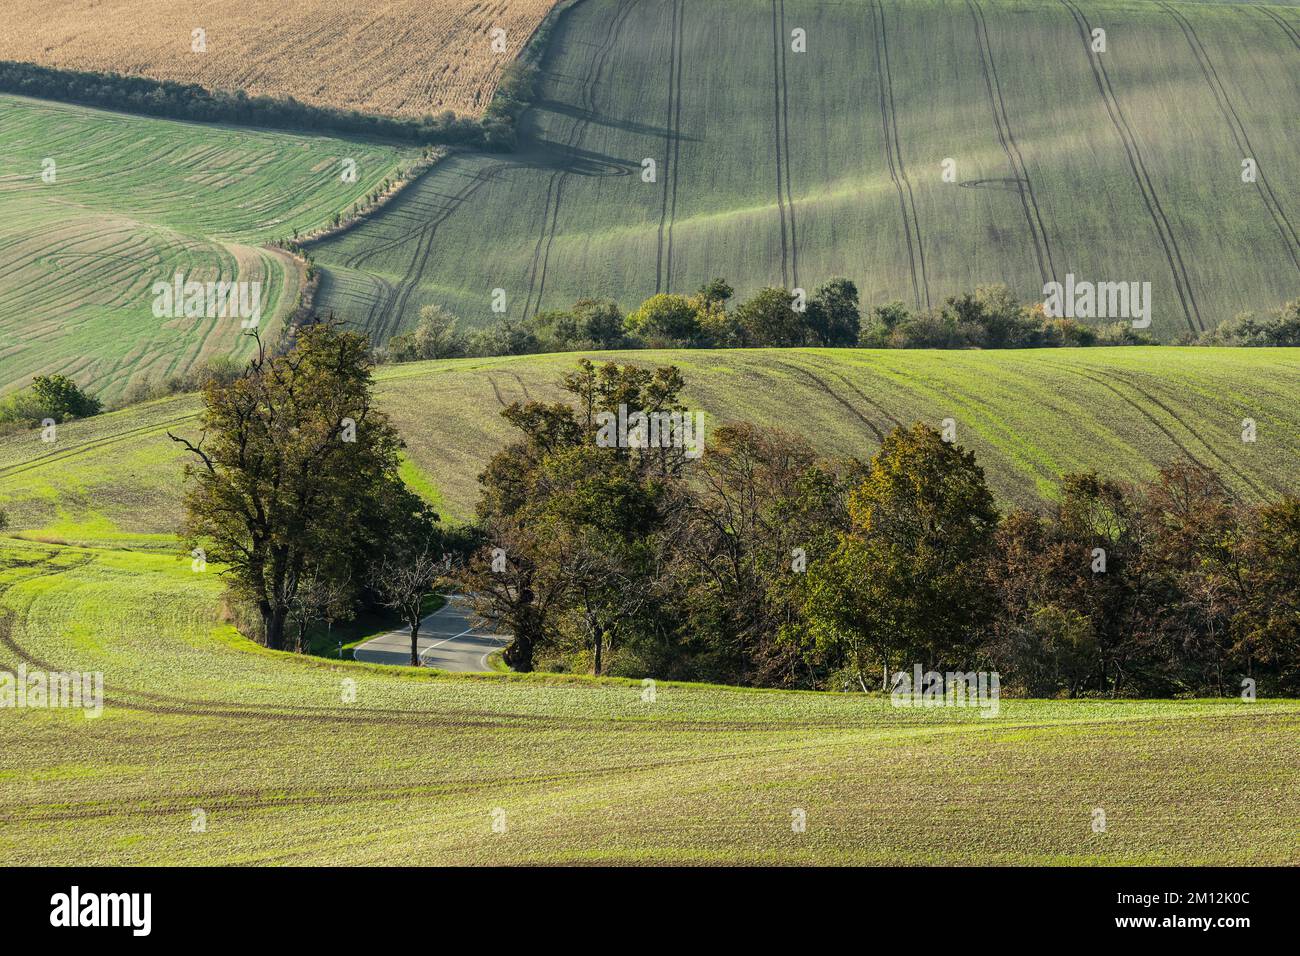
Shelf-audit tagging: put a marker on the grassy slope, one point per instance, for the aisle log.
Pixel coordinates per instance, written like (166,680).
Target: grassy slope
(134,201)
(286,772)
(773,169)
(1029,415)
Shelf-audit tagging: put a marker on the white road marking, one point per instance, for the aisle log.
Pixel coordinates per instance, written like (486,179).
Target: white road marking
(398,641)
(440,643)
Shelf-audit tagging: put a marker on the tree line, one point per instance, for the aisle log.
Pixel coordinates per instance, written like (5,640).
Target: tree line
(761,563)
(192,102)
(624,551)
(989,318)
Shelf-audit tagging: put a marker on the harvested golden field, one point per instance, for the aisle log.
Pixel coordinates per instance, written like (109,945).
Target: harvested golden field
(397,57)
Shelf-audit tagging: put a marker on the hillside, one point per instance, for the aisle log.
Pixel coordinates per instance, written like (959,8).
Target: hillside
(1028,415)
(398,57)
(778,167)
(133,201)
(211,750)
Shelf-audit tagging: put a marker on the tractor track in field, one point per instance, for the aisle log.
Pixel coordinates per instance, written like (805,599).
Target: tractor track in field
(777,50)
(522,387)
(10,470)
(821,385)
(894,161)
(672,152)
(555,186)
(279,796)
(537,247)
(1238,130)
(128,698)
(182,803)
(1165,233)
(868,400)
(389,294)
(1146,413)
(781,128)
(1225,463)
(357,259)
(133,699)
(1002,123)
(789,162)
(384,294)
(421,258)
(1293,34)
(333,795)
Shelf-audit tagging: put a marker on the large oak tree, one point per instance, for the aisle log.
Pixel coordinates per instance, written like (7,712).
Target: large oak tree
(292,471)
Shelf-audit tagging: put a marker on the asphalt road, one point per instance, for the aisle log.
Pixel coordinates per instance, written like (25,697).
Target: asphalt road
(449,640)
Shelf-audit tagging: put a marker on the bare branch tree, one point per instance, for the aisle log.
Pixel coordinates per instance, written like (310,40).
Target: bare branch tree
(403,583)
(318,598)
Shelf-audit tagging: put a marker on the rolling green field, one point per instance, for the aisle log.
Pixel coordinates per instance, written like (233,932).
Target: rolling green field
(1030,416)
(285,770)
(782,168)
(773,167)
(133,201)
(288,762)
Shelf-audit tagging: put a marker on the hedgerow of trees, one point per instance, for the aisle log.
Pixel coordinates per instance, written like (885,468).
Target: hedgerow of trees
(761,563)
(189,101)
(758,563)
(989,318)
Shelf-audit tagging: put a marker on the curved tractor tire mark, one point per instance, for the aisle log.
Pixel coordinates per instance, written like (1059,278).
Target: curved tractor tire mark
(591,82)
(1292,33)
(1182,285)
(819,384)
(672,153)
(1002,123)
(1238,131)
(894,161)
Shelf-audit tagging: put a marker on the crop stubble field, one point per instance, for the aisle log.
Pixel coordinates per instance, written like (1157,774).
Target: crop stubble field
(784,168)
(397,57)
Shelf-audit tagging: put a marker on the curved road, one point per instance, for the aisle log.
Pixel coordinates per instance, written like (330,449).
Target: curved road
(449,640)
